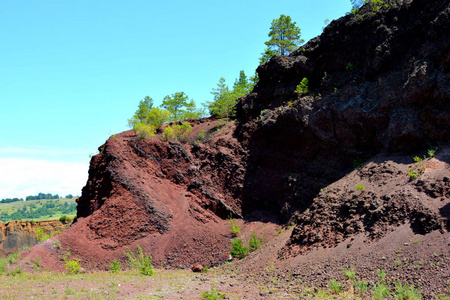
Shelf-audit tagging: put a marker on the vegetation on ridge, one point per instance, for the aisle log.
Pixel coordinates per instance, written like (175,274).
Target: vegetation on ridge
(37,209)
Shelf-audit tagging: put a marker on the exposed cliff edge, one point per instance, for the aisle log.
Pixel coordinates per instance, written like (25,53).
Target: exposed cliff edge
(379,93)
(16,235)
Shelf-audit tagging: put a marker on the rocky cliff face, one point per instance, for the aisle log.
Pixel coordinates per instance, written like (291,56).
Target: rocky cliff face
(379,92)
(379,82)
(16,235)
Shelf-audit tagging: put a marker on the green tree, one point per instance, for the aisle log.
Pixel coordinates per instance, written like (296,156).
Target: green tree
(180,107)
(145,106)
(224,102)
(242,85)
(225,99)
(284,38)
(148,119)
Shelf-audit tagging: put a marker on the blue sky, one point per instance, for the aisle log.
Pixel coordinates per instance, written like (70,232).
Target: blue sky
(73,72)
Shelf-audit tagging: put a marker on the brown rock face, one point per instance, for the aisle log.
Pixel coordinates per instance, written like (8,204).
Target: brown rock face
(170,198)
(379,85)
(16,235)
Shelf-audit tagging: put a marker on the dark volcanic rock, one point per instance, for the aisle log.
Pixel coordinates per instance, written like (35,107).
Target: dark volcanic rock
(378,82)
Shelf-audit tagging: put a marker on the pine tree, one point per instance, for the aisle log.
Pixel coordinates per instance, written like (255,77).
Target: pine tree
(284,38)
(180,107)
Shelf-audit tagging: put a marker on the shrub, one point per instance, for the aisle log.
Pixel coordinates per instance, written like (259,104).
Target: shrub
(141,262)
(360,187)
(238,250)
(336,287)
(144,131)
(65,219)
(3,264)
(169,133)
(255,242)
(361,286)
(380,291)
(201,136)
(431,153)
(417,159)
(406,292)
(72,266)
(177,132)
(302,87)
(213,295)
(13,257)
(412,174)
(234,226)
(115,266)
(350,274)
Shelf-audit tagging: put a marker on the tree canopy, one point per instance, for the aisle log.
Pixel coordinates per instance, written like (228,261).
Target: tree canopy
(180,107)
(147,120)
(225,99)
(284,38)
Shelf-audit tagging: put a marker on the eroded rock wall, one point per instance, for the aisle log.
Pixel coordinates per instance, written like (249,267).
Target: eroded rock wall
(16,235)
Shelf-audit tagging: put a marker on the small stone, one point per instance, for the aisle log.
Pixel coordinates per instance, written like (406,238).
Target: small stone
(197,268)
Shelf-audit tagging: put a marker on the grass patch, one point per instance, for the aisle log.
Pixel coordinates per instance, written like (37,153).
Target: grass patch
(213,294)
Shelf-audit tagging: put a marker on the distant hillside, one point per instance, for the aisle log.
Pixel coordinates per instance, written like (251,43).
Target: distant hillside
(37,209)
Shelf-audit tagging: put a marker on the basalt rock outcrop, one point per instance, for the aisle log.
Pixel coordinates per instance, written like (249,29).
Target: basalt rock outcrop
(379,82)
(378,92)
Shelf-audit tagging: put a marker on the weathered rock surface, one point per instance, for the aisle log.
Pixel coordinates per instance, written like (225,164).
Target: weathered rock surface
(379,83)
(16,235)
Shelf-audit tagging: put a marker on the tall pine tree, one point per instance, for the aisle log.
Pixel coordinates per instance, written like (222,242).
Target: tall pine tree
(284,38)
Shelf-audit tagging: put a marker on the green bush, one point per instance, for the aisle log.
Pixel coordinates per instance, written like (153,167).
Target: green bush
(234,226)
(213,295)
(432,152)
(350,274)
(14,257)
(169,133)
(177,132)
(3,264)
(412,174)
(141,262)
(72,266)
(65,219)
(144,131)
(360,187)
(255,242)
(302,87)
(238,250)
(115,266)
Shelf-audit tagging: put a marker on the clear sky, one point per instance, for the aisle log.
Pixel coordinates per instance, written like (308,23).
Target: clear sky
(73,72)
